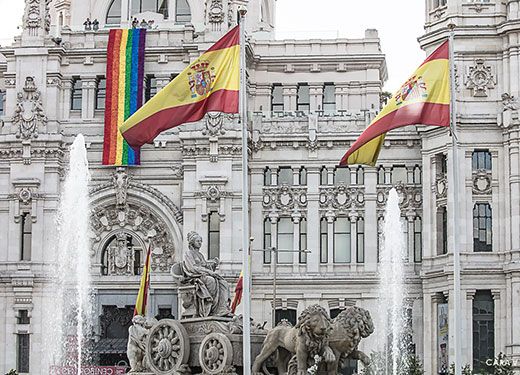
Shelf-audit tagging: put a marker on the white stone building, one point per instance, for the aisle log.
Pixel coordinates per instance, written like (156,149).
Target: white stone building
(308,100)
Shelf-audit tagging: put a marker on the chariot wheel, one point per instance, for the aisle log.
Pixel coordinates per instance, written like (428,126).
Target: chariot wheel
(168,347)
(215,353)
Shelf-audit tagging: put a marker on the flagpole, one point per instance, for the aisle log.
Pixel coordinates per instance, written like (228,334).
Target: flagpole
(455,186)
(245,202)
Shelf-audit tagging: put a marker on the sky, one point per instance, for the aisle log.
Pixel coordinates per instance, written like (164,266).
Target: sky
(398,26)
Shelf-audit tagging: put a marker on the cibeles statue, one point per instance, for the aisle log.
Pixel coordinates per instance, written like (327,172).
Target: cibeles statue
(210,293)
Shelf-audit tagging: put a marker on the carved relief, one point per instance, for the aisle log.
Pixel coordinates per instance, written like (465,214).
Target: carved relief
(120,180)
(216,12)
(482,182)
(29,113)
(214,124)
(144,223)
(285,198)
(480,78)
(342,197)
(509,115)
(32,16)
(410,197)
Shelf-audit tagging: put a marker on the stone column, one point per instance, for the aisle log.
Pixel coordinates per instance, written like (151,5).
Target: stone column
(371,232)
(410,217)
(67,92)
(88,93)
(316,97)
(467,325)
(289,97)
(273,217)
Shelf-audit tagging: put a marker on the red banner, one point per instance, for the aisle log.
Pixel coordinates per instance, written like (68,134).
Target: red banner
(87,370)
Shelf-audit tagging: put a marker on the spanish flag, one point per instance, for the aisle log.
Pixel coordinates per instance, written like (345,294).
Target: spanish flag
(142,296)
(210,83)
(424,99)
(238,293)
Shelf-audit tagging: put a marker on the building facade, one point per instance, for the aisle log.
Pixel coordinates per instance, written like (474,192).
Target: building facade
(308,101)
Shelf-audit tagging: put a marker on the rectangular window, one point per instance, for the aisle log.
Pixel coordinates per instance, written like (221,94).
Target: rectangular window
(2,103)
(267,240)
(481,160)
(381,175)
(164,313)
(285,314)
(360,175)
(101,90)
(214,235)
(23,317)
(137,262)
(442,230)
(22,354)
(417,239)
(360,243)
(26,236)
(285,176)
(303,99)
(277,98)
(285,240)
(399,174)
(76,94)
(182,12)
(483,331)
(329,98)
(303,241)
(342,176)
(324,242)
(482,227)
(150,88)
(342,240)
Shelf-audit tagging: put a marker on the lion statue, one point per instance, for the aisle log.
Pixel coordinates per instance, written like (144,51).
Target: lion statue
(348,328)
(305,340)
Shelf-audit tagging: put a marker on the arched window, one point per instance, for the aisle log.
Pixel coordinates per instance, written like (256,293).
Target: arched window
(114,13)
(182,12)
(156,6)
(122,255)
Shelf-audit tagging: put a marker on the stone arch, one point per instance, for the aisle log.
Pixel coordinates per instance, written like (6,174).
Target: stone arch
(146,215)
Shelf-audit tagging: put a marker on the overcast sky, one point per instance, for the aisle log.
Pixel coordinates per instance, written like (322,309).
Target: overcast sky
(398,26)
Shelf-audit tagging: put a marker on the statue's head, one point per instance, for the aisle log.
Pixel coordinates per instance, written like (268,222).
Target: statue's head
(139,319)
(314,321)
(194,239)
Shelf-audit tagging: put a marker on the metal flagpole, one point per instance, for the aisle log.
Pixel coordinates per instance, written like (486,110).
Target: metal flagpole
(455,186)
(246,250)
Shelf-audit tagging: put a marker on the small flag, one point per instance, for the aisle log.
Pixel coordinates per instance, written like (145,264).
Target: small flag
(210,83)
(142,296)
(124,92)
(238,293)
(424,99)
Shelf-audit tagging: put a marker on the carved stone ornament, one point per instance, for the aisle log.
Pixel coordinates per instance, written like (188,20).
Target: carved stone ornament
(285,198)
(216,12)
(214,124)
(32,16)
(509,115)
(480,78)
(410,197)
(120,180)
(137,219)
(121,256)
(29,114)
(441,187)
(481,182)
(342,197)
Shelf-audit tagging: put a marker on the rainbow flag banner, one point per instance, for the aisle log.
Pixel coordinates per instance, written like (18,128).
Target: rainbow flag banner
(424,99)
(210,83)
(124,92)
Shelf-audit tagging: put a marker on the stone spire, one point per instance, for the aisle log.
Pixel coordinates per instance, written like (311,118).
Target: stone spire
(36,21)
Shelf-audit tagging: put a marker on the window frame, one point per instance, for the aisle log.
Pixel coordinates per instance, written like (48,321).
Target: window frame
(478,245)
(277,106)
(328,105)
(101,93)
(213,218)
(76,94)
(348,236)
(303,104)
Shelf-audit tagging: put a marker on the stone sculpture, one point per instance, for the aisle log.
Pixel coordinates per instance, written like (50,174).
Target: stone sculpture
(136,347)
(211,291)
(29,114)
(348,328)
(309,338)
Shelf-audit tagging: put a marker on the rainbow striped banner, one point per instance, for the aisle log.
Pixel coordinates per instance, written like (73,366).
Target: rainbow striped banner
(124,92)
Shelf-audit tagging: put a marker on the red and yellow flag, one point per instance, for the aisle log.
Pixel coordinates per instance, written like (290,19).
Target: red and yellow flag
(210,83)
(238,293)
(142,296)
(423,100)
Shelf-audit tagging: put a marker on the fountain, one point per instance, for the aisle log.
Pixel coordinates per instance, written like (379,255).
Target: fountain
(69,310)
(392,289)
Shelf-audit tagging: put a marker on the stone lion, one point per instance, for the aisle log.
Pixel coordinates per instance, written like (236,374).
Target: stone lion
(308,338)
(348,328)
